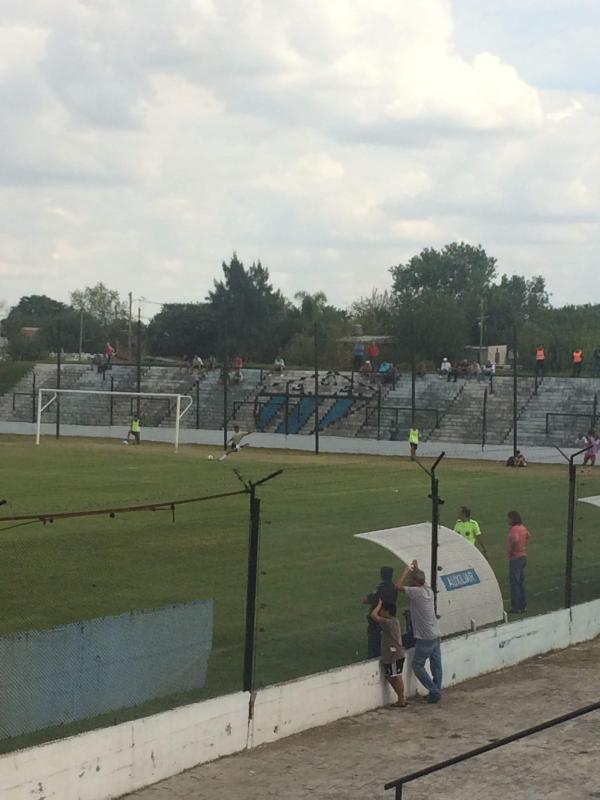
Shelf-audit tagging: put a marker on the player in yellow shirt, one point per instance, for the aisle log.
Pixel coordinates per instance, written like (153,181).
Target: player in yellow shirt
(469,528)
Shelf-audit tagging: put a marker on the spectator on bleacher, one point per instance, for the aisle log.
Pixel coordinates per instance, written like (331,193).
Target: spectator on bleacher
(212,362)
(392,652)
(373,354)
(489,368)
(518,537)
(577,361)
(96,361)
(278,364)
(413,441)
(540,361)
(109,352)
(186,364)
(197,365)
(359,354)
(426,630)
(366,369)
(387,592)
(453,373)
(445,367)
(596,363)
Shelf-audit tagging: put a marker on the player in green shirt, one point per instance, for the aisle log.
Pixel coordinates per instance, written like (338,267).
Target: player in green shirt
(469,528)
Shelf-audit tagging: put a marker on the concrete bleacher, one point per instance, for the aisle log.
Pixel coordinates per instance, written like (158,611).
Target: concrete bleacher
(463,420)
(459,405)
(432,394)
(562,396)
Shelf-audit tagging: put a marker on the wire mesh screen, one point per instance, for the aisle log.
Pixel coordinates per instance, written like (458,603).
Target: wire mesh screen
(85,669)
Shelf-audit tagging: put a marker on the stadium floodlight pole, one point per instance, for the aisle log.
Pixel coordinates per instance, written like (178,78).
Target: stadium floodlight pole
(58,354)
(570,524)
(316,391)
(515,395)
(436,502)
(412,370)
(252,581)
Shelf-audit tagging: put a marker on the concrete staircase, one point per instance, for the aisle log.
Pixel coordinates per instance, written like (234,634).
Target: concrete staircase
(562,396)
(463,421)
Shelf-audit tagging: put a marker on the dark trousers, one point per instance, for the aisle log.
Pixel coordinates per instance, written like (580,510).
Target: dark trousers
(516,572)
(373,640)
(577,369)
(539,368)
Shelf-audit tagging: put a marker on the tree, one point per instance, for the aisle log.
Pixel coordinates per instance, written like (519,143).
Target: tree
(100,302)
(184,329)
(375,313)
(441,291)
(251,314)
(459,270)
(32,311)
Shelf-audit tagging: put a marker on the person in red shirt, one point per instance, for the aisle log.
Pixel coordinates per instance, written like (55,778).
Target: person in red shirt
(518,537)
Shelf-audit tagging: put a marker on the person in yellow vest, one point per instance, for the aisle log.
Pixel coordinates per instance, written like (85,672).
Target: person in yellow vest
(135,430)
(413,440)
(540,361)
(577,360)
(469,528)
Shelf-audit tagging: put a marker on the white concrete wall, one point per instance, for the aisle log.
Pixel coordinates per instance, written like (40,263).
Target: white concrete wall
(275,441)
(113,761)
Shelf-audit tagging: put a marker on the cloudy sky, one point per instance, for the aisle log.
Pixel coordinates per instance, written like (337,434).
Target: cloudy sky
(142,142)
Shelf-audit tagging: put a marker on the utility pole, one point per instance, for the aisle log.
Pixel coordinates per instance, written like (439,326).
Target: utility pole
(58,357)
(515,393)
(481,319)
(130,295)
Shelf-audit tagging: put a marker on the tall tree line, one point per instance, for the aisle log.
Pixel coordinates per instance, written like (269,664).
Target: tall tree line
(439,302)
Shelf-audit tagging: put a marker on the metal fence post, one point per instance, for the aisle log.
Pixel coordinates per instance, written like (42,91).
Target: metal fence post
(379,413)
(58,354)
(33,400)
(570,534)
(197,405)
(112,400)
(484,419)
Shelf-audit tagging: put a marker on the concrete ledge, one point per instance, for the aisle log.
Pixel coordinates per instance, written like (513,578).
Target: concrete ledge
(275,441)
(114,761)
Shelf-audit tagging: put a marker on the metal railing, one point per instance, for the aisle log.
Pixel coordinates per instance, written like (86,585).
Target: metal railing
(592,417)
(399,783)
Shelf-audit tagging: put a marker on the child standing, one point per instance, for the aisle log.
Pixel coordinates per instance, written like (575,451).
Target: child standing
(392,652)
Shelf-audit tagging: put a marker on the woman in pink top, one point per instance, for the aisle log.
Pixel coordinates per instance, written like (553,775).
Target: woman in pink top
(517,562)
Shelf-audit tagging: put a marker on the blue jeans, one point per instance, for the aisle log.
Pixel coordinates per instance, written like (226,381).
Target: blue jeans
(429,649)
(516,571)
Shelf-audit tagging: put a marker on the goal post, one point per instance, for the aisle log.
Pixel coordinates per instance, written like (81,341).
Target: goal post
(181,407)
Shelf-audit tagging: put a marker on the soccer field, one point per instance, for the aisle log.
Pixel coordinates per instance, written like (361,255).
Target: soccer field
(313,572)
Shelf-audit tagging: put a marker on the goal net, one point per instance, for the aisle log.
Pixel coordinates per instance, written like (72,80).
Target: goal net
(182,402)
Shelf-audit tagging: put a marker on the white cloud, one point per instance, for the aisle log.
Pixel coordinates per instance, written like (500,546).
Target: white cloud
(330,140)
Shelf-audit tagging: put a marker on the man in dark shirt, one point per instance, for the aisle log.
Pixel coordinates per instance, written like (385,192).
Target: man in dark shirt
(386,592)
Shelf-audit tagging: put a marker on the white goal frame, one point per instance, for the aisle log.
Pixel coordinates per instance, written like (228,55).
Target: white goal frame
(180,413)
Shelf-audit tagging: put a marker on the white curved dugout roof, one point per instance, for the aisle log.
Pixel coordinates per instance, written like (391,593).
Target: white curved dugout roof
(468,591)
(593,500)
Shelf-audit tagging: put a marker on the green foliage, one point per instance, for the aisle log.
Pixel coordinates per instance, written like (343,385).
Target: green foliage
(101,303)
(252,317)
(32,311)
(184,329)
(28,348)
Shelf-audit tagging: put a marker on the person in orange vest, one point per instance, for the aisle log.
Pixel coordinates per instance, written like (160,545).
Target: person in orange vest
(540,361)
(577,360)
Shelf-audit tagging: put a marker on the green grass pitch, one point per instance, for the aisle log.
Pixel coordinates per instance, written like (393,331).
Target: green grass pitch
(313,572)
